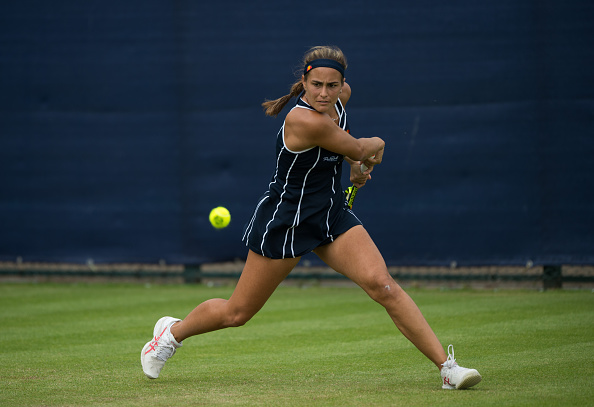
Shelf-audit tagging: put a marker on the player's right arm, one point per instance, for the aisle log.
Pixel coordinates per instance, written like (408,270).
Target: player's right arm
(307,129)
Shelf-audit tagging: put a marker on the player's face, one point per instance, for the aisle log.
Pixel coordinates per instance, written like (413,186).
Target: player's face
(322,88)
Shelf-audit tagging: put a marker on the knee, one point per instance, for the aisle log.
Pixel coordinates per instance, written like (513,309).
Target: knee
(236,318)
(384,290)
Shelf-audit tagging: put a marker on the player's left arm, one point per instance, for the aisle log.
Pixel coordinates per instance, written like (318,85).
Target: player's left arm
(358,177)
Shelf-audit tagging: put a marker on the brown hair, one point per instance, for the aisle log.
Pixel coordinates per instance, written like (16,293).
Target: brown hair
(274,107)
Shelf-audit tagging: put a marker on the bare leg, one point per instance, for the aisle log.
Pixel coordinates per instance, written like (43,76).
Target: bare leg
(260,277)
(354,255)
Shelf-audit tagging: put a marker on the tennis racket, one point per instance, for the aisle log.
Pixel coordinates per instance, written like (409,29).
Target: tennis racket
(351,191)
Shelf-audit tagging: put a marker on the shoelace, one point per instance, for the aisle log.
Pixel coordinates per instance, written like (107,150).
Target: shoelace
(451,361)
(164,352)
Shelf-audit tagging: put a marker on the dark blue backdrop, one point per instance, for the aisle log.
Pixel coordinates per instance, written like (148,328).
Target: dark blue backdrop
(123,123)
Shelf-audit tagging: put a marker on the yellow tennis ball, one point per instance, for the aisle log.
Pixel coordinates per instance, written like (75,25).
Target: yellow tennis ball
(219,217)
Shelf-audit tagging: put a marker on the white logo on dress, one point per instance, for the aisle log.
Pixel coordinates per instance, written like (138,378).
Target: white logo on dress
(334,158)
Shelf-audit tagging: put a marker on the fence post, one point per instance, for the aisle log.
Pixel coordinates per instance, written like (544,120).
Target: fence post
(551,277)
(192,274)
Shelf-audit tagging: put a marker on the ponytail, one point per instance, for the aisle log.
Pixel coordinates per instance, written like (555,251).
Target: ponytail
(274,107)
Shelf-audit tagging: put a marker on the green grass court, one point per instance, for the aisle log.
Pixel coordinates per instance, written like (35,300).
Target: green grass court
(79,345)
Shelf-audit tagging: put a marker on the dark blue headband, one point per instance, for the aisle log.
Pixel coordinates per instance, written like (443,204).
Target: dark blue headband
(324,63)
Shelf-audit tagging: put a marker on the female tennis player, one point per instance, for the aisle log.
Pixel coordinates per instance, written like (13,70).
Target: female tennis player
(304,210)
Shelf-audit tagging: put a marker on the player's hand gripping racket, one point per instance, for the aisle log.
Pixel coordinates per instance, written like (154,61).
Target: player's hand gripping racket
(351,191)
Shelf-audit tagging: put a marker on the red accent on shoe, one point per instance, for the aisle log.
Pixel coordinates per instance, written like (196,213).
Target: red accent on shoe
(155,342)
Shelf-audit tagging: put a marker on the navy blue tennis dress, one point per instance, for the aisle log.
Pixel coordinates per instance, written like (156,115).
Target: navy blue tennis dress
(305,205)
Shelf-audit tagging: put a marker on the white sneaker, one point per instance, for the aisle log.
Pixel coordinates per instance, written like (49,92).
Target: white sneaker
(457,377)
(156,352)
